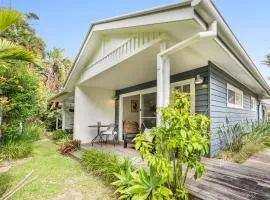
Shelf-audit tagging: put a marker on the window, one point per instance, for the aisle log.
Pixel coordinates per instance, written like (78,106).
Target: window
(253,104)
(234,97)
(187,86)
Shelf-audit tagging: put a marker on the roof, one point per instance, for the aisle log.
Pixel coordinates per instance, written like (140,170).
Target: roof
(207,11)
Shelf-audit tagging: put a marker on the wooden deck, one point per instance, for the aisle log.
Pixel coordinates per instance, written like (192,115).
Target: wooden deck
(223,180)
(227,181)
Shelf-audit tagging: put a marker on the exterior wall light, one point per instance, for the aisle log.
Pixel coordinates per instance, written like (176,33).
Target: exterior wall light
(199,80)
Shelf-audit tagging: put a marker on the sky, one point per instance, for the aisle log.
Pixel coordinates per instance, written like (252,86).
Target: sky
(64,23)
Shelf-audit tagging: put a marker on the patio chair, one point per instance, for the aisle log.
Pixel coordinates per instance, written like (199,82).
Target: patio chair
(110,131)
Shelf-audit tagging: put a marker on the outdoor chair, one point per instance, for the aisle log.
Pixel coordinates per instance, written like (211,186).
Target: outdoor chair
(110,131)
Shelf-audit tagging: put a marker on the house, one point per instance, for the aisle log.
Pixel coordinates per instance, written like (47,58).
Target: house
(128,65)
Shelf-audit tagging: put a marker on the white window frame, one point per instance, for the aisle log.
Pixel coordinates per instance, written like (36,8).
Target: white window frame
(236,90)
(254,105)
(191,82)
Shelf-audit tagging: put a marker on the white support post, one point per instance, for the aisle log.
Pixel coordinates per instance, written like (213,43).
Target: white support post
(160,82)
(166,82)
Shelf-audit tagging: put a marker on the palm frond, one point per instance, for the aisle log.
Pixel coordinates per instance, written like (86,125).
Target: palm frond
(12,52)
(8,17)
(267,60)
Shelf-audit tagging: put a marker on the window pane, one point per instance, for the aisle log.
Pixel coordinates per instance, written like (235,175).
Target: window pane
(238,99)
(231,96)
(149,105)
(183,88)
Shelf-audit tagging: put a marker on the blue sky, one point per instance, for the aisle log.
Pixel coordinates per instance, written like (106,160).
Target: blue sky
(64,23)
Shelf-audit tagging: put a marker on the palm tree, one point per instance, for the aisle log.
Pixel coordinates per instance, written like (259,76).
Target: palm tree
(58,67)
(10,51)
(267,60)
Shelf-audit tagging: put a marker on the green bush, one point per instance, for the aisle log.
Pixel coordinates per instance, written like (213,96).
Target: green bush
(59,134)
(33,132)
(18,149)
(103,164)
(180,141)
(10,132)
(242,140)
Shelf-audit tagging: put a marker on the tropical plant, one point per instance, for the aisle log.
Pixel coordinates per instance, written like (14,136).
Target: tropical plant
(259,132)
(180,141)
(232,137)
(104,164)
(57,68)
(10,51)
(242,140)
(141,185)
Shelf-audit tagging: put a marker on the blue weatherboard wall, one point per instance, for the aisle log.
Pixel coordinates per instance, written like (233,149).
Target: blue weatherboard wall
(218,103)
(210,98)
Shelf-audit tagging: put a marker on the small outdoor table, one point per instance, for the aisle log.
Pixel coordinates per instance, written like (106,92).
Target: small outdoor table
(98,136)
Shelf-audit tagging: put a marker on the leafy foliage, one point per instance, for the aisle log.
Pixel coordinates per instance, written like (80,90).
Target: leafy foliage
(232,137)
(103,164)
(180,141)
(57,67)
(240,141)
(22,88)
(60,134)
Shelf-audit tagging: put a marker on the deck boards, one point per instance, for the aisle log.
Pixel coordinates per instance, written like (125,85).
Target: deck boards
(222,180)
(228,181)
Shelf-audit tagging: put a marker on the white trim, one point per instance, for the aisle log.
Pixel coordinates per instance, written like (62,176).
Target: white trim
(236,90)
(253,106)
(191,82)
(121,96)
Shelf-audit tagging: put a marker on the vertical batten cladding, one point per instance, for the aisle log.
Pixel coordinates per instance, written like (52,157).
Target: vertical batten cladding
(219,110)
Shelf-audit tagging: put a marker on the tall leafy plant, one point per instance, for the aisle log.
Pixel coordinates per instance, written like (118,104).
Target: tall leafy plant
(179,142)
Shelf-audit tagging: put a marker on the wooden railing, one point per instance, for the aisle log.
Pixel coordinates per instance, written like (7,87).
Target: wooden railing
(134,44)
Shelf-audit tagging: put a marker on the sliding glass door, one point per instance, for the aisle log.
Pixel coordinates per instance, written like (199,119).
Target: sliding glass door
(148,109)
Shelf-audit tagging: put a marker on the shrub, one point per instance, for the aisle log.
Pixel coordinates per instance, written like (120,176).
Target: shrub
(232,137)
(33,132)
(59,134)
(242,140)
(10,132)
(103,164)
(180,141)
(18,149)
(69,146)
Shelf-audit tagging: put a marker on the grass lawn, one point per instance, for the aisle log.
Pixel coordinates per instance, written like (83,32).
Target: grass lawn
(55,175)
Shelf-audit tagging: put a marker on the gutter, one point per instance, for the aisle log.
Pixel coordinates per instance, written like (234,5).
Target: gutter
(211,9)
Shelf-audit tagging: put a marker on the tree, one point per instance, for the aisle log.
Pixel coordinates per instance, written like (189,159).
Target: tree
(9,51)
(57,67)
(267,60)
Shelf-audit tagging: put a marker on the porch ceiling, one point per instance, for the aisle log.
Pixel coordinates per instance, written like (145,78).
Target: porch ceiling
(142,67)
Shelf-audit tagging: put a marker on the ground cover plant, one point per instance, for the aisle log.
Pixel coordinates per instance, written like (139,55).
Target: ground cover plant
(104,164)
(180,141)
(61,136)
(54,175)
(240,141)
